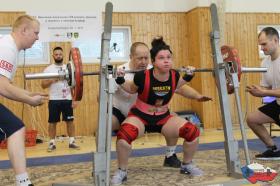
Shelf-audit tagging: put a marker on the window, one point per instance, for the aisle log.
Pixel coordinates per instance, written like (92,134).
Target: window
(38,54)
(119,47)
(259,28)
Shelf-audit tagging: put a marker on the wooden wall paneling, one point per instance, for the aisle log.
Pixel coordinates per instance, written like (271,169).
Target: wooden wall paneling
(179,38)
(34,117)
(148,29)
(233,108)
(193,58)
(176,33)
(7,18)
(211,120)
(245,52)
(208,85)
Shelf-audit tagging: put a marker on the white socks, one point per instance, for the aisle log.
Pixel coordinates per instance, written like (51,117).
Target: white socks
(52,141)
(22,179)
(170,150)
(71,140)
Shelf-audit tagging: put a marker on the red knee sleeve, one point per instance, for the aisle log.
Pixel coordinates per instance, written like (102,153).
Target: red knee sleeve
(127,132)
(189,132)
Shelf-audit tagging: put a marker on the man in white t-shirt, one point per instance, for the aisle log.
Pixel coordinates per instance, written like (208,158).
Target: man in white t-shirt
(60,102)
(270,86)
(24,33)
(122,101)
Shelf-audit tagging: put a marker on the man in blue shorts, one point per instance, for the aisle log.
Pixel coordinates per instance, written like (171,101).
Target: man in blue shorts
(60,102)
(24,33)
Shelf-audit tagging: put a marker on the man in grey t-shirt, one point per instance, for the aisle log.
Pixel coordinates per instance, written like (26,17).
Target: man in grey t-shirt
(270,86)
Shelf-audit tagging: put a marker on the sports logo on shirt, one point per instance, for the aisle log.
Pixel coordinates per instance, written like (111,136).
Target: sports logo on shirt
(161,90)
(6,65)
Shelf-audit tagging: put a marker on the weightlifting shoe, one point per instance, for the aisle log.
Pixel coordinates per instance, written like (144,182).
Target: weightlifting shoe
(119,177)
(74,146)
(191,169)
(172,161)
(51,147)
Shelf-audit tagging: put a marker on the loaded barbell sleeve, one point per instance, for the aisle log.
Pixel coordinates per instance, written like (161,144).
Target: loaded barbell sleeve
(46,75)
(253,69)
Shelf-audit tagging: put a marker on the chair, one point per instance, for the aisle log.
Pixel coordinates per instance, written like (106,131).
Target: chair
(272,129)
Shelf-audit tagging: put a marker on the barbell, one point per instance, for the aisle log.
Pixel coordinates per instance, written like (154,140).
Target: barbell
(74,71)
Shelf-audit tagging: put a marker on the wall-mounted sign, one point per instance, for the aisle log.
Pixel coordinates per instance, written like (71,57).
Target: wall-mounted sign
(68,27)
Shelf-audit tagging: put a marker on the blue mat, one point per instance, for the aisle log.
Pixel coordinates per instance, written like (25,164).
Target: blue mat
(254,144)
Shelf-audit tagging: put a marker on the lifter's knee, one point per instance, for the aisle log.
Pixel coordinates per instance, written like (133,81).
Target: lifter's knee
(127,132)
(189,132)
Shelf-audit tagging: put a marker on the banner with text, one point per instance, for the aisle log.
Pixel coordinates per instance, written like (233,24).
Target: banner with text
(69,27)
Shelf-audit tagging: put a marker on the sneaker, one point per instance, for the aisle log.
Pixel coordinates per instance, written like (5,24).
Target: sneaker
(119,177)
(74,146)
(172,161)
(269,155)
(30,184)
(191,169)
(51,147)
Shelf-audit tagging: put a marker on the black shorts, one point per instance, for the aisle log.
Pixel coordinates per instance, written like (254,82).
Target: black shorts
(272,110)
(9,123)
(153,123)
(56,107)
(119,115)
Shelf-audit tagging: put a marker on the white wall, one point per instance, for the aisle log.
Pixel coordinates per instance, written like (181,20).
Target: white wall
(91,5)
(137,5)
(271,6)
(245,5)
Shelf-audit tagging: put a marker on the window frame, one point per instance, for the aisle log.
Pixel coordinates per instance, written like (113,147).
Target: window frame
(127,43)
